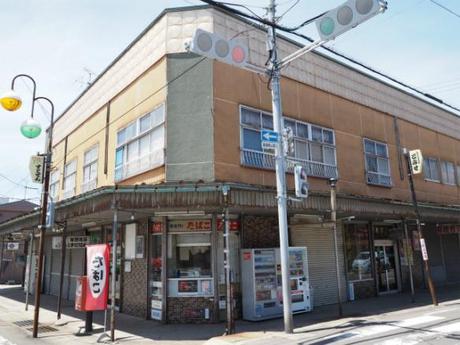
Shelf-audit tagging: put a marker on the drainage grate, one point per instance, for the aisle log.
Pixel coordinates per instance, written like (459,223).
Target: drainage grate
(44,329)
(24,323)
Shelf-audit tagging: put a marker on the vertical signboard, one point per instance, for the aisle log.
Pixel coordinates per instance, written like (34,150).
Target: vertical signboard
(97,265)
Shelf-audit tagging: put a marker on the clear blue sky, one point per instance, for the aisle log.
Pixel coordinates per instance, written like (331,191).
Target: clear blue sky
(415,41)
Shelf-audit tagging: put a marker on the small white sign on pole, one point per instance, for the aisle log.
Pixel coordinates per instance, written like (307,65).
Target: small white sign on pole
(424,251)
(37,168)
(416,161)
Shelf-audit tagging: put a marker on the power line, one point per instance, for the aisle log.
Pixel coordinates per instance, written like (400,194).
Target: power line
(135,106)
(16,183)
(445,8)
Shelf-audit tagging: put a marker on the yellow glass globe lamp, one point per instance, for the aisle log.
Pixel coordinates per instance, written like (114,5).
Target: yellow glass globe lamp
(11,101)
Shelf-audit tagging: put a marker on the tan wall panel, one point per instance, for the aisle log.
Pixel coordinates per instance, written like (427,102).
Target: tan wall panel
(349,147)
(409,134)
(149,177)
(372,124)
(345,116)
(428,142)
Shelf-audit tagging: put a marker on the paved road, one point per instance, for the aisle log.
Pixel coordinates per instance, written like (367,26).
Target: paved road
(440,326)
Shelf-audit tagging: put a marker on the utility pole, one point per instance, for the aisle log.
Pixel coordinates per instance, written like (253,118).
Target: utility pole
(420,230)
(114,270)
(278,125)
(333,184)
(230,328)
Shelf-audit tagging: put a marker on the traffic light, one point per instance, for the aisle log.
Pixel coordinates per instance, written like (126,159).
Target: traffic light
(301,181)
(215,47)
(346,16)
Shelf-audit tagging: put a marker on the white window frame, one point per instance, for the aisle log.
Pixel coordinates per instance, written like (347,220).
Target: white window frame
(457,174)
(381,177)
(265,159)
(91,182)
(54,184)
(427,163)
(445,173)
(150,160)
(70,177)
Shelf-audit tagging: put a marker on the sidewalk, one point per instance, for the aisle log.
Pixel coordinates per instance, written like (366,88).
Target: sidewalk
(133,330)
(323,321)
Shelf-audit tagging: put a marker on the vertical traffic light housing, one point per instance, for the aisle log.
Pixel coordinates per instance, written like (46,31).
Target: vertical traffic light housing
(213,46)
(301,181)
(346,16)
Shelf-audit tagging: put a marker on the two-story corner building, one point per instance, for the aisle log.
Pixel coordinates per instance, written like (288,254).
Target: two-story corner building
(169,140)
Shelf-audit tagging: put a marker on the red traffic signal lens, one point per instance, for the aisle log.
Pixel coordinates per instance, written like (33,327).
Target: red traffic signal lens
(238,54)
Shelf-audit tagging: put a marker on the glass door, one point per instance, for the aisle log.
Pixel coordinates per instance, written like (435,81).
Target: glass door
(386,266)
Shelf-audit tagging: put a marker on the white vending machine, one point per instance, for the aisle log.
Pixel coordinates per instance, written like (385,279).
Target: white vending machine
(261,282)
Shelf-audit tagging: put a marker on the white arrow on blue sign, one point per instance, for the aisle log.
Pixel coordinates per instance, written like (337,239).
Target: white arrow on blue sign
(270,136)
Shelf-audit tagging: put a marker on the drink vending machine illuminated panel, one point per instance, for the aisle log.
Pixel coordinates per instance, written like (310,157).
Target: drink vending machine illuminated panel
(261,283)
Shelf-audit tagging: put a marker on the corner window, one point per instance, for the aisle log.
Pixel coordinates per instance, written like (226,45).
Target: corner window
(140,145)
(458,175)
(70,177)
(54,184)
(314,146)
(90,169)
(448,172)
(431,169)
(377,163)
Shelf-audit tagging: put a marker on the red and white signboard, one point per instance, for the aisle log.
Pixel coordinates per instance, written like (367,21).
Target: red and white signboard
(97,268)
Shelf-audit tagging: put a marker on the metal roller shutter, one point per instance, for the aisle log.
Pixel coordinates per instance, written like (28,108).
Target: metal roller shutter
(321,261)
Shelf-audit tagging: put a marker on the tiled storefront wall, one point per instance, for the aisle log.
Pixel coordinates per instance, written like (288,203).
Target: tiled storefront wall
(259,232)
(135,282)
(190,310)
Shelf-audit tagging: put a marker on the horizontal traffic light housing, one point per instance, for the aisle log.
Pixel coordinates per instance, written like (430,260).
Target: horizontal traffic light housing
(213,46)
(347,16)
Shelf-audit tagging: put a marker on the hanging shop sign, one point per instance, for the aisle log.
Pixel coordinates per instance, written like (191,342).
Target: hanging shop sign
(416,161)
(447,229)
(424,251)
(37,168)
(97,268)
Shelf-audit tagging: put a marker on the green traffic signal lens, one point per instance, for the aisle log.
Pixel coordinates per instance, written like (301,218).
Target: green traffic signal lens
(327,26)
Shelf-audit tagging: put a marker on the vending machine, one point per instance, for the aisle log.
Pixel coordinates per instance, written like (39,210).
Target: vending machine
(261,283)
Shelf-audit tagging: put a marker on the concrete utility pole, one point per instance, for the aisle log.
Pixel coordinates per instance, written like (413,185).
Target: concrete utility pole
(420,230)
(278,125)
(333,184)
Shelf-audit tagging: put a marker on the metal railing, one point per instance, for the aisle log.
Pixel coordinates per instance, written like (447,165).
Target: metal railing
(266,160)
(378,179)
(89,185)
(139,165)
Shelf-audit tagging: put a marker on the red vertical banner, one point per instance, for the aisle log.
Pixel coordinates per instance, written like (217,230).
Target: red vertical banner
(97,268)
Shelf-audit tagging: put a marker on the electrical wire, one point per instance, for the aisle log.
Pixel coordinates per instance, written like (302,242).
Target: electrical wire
(330,50)
(15,183)
(445,8)
(133,107)
(289,9)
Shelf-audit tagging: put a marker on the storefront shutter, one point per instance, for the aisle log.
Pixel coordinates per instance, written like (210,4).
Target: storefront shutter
(321,260)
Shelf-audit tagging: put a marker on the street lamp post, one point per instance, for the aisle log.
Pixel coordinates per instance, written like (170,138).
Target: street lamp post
(12,102)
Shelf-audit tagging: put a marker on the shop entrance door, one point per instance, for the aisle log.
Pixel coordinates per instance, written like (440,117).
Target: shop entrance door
(386,266)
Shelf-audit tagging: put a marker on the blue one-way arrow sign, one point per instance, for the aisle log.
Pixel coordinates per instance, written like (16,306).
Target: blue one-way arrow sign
(269,136)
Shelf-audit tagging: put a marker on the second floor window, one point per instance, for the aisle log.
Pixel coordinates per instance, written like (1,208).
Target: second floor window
(70,177)
(377,163)
(140,145)
(314,146)
(448,172)
(54,184)
(431,169)
(90,169)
